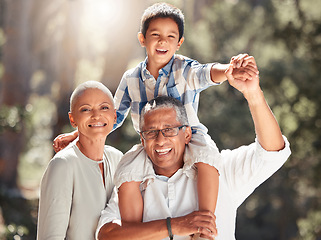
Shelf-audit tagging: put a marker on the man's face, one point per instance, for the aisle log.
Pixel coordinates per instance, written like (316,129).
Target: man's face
(93,114)
(166,153)
(161,42)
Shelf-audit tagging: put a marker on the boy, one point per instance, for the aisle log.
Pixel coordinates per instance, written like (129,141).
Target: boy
(165,73)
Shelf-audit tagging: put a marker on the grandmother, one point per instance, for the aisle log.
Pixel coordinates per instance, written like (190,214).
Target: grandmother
(78,180)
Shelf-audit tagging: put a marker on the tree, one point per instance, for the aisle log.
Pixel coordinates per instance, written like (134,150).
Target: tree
(52,46)
(15,87)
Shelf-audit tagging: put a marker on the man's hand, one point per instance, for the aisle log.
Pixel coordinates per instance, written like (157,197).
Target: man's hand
(239,63)
(202,222)
(266,127)
(63,140)
(245,79)
(243,67)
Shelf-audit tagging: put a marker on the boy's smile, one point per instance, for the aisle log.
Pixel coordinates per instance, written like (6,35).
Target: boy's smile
(161,42)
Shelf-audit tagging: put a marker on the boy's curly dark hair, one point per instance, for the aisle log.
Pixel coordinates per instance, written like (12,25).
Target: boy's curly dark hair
(162,10)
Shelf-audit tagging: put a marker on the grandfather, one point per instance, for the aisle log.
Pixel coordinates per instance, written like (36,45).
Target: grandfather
(170,194)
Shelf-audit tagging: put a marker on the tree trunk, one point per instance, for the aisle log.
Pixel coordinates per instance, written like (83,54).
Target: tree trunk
(15,88)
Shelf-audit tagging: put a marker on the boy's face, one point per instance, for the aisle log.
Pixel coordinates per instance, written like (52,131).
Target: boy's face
(161,41)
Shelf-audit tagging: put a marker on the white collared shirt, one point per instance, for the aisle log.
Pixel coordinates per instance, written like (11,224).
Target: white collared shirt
(242,170)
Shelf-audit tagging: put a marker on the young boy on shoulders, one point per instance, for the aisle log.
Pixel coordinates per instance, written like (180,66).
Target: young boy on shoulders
(165,73)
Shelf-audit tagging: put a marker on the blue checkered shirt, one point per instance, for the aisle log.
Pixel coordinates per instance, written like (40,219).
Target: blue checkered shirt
(182,78)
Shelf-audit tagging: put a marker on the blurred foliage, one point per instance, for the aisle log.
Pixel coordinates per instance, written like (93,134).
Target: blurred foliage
(284,36)
(285,39)
(311,225)
(11,117)
(20,216)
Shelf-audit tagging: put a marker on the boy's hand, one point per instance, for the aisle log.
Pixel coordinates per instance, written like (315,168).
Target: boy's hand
(63,140)
(244,67)
(251,84)
(242,60)
(239,63)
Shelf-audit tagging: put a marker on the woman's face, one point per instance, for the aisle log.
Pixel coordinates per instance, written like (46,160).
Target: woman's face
(93,114)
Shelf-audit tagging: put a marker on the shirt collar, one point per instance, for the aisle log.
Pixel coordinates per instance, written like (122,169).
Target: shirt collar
(162,178)
(172,178)
(165,70)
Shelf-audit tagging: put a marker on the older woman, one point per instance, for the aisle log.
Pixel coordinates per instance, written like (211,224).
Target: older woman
(78,180)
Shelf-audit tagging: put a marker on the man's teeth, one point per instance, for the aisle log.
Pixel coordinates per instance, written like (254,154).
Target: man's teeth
(161,50)
(163,151)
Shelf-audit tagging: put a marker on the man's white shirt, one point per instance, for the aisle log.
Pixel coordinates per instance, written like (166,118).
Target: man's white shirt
(241,171)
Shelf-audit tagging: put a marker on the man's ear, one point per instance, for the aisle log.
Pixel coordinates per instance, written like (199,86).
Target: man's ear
(141,39)
(142,140)
(188,134)
(71,119)
(180,42)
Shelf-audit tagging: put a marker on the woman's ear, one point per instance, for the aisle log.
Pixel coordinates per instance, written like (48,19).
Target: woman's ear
(141,39)
(115,119)
(71,119)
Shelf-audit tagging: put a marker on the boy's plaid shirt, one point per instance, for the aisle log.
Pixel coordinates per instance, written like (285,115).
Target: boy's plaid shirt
(182,78)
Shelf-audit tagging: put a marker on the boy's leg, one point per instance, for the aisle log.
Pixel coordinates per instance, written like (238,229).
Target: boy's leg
(131,171)
(130,202)
(206,157)
(207,186)
(129,175)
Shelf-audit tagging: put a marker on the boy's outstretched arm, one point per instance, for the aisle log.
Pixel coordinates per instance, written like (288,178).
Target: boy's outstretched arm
(239,64)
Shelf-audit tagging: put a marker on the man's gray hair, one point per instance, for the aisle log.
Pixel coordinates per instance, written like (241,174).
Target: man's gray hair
(164,102)
(89,85)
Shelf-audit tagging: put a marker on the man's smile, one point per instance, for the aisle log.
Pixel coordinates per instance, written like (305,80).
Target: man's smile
(163,151)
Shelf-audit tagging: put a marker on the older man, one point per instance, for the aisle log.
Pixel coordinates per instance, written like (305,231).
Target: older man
(170,195)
